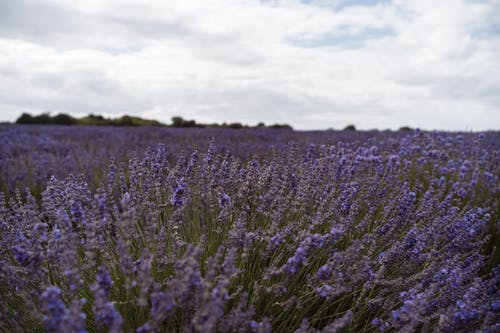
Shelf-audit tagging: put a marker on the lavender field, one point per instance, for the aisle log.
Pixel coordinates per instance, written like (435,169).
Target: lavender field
(148,229)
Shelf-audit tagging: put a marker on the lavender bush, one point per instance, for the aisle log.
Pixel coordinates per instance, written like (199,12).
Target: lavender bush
(141,230)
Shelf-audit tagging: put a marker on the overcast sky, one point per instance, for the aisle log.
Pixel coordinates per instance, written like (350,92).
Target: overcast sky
(313,64)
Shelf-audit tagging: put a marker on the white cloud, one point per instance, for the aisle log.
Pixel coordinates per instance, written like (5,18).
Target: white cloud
(313,65)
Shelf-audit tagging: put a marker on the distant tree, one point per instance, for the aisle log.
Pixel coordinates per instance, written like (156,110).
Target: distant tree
(350,128)
(95,117)
(177,121)
(235,125)
(25,118)
(63,119)
(125,121)
(44,118)
(281,126)
(91,119)
(95,120)
(405,128)
(180,122)
(260,125)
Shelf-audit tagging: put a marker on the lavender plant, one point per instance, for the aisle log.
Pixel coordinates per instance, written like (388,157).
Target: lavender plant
(358,232)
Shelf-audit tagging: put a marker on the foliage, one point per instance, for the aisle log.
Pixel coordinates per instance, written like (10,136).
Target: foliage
(64,119)
(180,122)
(98,120)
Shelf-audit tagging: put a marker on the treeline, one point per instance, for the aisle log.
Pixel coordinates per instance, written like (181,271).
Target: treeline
(98,120)
(180,122)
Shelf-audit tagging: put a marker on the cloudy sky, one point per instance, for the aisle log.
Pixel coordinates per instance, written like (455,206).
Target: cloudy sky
(313,64)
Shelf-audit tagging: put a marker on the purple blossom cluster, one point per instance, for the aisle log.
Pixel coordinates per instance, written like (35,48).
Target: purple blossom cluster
(162,230)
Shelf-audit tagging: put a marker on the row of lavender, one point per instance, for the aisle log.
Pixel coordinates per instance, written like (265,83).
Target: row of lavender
(394,233)
(30,155)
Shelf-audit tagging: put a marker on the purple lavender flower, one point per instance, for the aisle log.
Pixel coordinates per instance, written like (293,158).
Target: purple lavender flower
(105,312)
(224,200)
(162,305)
(104,280)
(324,272)
(263,326)
(296,261)
(275,241)
(179,192)
(324,290)
(106,315)
(464,313)
(495,306)
(75,319)
(380,324)
(53,308)
(25,258)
